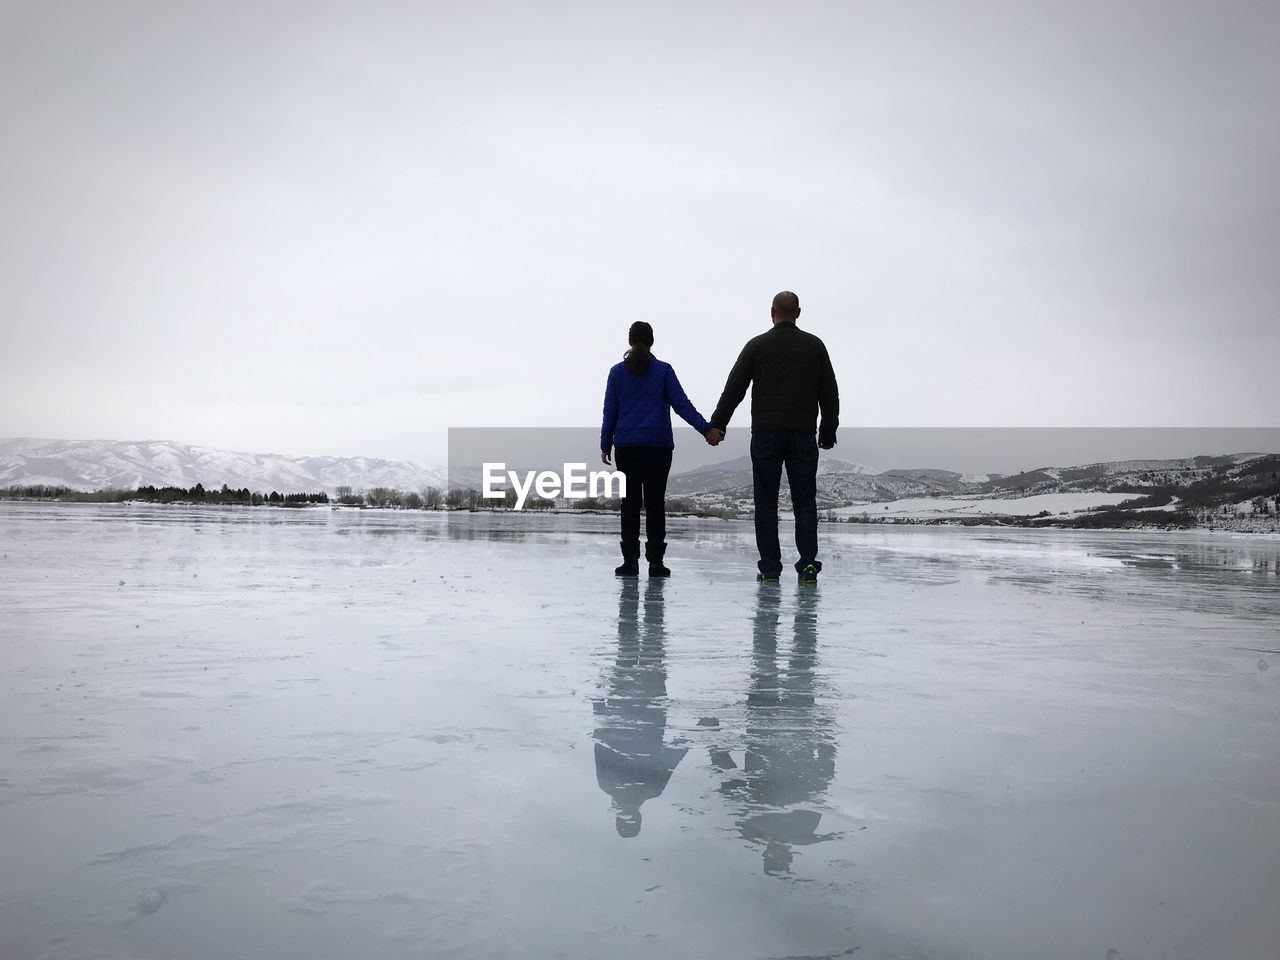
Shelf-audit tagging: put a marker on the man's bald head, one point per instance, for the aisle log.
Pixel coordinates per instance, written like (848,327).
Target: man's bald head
(786,307)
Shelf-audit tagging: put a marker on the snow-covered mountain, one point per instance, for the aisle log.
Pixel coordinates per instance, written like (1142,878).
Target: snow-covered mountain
(96,464)
(1198,483)
(1096,476)
(1194,483)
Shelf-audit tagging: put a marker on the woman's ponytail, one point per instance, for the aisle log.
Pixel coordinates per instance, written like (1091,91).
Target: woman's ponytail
(640,336)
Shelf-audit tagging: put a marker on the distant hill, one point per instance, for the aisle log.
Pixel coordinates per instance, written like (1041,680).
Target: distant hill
(1230,490)
(96,464)
(1149,472)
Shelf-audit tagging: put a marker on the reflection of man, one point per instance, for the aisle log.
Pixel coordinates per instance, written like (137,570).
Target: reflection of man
(633,763)
(790,750)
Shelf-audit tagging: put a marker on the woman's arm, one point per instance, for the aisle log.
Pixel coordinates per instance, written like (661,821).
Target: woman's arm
(735,388)
(610,421)
(681,405)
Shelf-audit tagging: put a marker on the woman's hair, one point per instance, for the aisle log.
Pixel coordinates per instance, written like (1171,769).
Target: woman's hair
(640,336)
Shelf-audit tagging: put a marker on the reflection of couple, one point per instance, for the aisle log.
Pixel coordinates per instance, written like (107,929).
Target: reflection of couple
(790,751)
(791,383)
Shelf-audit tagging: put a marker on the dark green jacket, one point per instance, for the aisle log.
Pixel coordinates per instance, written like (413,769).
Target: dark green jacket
(793,381)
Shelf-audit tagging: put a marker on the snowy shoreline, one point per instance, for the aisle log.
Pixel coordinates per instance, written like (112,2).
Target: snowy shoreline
(994,521)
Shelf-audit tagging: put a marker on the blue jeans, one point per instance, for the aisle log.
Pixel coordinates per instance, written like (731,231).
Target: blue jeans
(797,450)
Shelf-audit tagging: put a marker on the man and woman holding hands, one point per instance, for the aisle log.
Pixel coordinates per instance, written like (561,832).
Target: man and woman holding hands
(795,408)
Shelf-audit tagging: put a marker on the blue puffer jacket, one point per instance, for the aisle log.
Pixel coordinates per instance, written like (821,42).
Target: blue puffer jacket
(637,408)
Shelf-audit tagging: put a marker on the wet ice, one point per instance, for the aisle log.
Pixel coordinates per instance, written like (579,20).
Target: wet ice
(332,733)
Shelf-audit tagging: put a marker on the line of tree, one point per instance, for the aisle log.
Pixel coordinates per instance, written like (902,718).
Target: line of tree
(152,494)
(40,491)
(227,496)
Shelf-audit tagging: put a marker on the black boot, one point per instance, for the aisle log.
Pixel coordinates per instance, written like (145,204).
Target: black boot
(654,552)
(630,559)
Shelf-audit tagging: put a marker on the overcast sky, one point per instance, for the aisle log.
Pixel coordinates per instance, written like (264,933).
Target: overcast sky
(303,228)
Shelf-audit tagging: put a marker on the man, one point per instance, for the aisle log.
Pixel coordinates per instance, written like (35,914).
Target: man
(793,382)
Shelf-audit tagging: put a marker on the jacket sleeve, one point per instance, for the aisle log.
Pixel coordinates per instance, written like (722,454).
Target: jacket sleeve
(610,421)
(680,403)
(735,388)
(828,400)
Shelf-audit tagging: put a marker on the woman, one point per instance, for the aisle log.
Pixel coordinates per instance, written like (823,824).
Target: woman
(637,418)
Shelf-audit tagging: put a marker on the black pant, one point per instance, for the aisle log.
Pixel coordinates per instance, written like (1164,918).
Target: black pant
(798,451)
(646,470)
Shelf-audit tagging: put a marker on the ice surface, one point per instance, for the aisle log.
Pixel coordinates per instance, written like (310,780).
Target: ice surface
(360,734)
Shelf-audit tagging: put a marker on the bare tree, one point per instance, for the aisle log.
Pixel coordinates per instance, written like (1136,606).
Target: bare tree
(384,497)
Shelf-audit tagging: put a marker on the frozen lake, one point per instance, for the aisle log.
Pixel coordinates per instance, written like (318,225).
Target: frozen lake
(261,733)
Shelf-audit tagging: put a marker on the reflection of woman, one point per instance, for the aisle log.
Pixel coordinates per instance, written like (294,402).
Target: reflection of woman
(633,760)
(638,400)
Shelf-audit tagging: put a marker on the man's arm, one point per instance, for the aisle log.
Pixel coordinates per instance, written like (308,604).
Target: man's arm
(828,403)
(735,388)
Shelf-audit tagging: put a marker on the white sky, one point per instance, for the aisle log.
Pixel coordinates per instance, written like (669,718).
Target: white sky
(302,228)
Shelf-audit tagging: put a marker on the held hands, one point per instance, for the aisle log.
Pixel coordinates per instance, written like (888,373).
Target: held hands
(714,436)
